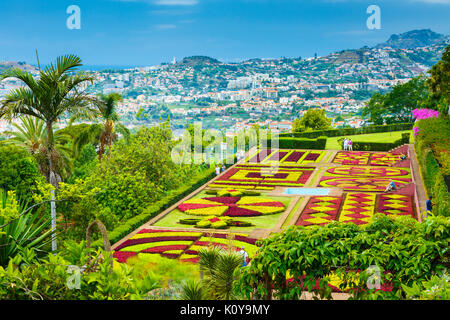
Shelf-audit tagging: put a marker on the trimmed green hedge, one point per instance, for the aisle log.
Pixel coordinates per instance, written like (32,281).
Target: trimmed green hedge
(350,131)
(435,184)
(174,196)
(299,143)
(380,146)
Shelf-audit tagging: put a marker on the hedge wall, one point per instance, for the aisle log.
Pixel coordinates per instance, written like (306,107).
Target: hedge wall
(380,146)
(434,133)
(175,195)
(298,143)
(350,131)
(435,183)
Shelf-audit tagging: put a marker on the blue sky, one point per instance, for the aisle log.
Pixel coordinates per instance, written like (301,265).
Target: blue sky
(147,32)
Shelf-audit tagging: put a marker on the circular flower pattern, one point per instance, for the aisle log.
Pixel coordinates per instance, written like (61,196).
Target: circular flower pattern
(246,206)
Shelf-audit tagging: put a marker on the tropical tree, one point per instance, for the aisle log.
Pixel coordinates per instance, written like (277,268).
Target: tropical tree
(219,268)
(30,134)
(313,119)
(106,133)
(58,91)
(439,82)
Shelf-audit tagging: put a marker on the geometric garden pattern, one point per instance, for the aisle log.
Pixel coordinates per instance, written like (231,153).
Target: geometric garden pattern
(355,207)
(358,208)
(364,178)
(361,176)
(320,211)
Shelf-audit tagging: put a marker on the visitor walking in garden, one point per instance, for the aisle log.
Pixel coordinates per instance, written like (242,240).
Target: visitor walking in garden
(223,168)
(345,143)
(429,206)
(217,170)
(350,145)
(244,256)
(390,186)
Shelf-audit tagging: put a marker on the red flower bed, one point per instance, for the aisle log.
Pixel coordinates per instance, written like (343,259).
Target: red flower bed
(226,200)
(294,156)
(122,256)
(241,212)
(236,237)
(161,230)
(259,175)
(261,155)
(191,260)
(278,156)
(312,156)
(162,249)
(132,242)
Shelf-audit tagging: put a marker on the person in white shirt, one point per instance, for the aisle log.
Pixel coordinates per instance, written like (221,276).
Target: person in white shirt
(217,170)
(244,256)
(345,143)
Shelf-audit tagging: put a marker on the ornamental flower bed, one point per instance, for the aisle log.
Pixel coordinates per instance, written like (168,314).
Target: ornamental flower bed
(247,206)
(365,178)
(366,158)
(185,247)
(232,192)
(358,208)
(287,157)
(320,211)
(261,176)
(214,222)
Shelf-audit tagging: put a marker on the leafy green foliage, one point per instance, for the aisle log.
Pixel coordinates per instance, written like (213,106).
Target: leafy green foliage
(20,229)
(439,82)
(313,119)
(299,143)
(405,251)
(437,288)
(18,171)
(27,277)
(396,106)
(135,176)
(431,148)
(220,272)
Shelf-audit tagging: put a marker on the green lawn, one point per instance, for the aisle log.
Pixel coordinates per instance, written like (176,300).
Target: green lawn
(265,222)
(332,143)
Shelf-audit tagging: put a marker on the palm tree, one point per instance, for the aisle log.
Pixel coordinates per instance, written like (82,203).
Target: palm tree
(31,135)
(219,267)
(106,133)
(57,91)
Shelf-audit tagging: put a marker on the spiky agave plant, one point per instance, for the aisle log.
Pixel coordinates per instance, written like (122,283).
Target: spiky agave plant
(30,230)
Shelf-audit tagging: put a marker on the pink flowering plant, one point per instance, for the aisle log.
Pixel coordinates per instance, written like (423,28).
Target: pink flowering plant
(420,114)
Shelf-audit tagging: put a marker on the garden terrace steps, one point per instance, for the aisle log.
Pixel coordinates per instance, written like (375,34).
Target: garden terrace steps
(402,149)
(402,163)
(407,189)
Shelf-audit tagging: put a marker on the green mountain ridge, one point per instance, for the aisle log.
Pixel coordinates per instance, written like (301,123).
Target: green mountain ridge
(413,39)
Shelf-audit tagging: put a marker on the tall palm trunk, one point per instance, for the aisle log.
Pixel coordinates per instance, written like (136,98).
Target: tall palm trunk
(105,138)
(53,181)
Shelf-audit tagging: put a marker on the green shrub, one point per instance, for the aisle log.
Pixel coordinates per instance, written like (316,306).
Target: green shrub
(431,147)
(350,131)
(152,211)
(298,143)
(379,146)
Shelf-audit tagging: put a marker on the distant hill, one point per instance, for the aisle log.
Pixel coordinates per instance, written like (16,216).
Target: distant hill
(14,64)
(413,39)
(198,60)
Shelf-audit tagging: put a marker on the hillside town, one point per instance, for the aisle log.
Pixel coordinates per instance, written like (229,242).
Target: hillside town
(270,93)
